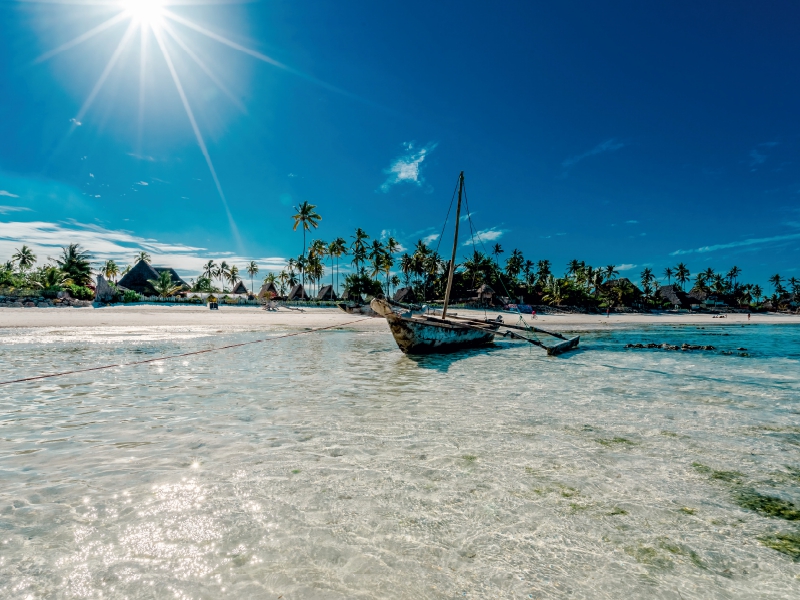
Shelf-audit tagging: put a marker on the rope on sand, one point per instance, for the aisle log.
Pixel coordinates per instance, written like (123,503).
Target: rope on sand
(152,360)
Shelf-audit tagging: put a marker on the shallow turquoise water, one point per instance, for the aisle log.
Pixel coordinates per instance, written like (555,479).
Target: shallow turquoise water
(331,466)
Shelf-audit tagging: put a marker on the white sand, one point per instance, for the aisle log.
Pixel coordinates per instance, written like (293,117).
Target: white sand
(243,317)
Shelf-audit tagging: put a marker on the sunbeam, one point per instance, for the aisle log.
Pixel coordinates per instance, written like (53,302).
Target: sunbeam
(198,135)
(82,38)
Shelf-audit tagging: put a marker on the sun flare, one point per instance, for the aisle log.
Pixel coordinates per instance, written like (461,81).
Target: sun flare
(146,12)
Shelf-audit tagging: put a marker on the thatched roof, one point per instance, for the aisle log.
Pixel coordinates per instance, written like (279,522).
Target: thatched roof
(348,295)
(485,290)
(103,291)
(326,293)
(239,288)
(176,279)
(297,293)
(405,294)
(136,279)
(268,288)
(674,295)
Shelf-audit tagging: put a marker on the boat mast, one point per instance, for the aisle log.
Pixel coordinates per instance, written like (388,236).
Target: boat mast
(455,247)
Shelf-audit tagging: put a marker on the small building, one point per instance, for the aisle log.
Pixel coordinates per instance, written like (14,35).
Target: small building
(405,295)
(268,290)
(176,279)
(239,288)
(326,293)
(349,296)
(297,293)
(485,294)
(137,278)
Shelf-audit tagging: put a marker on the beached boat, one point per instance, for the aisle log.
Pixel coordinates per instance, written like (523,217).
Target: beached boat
(424,333)
(355,308)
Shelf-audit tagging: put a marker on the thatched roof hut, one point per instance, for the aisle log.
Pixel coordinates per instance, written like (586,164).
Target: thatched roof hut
(405,294)
(485,292)
(176,279)
(351,297)
(297,293)
(136,279)
(239,288)
(674,295)
(326,293)
(268,290)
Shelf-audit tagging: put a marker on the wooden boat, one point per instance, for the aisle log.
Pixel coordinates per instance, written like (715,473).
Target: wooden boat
(354,308)
(423,333)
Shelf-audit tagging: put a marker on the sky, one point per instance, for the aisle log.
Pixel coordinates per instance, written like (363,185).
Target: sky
(621,132)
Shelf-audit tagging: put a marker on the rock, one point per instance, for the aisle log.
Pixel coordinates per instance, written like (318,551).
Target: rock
(104,292)
(15,305)
(43,305)
(29,305)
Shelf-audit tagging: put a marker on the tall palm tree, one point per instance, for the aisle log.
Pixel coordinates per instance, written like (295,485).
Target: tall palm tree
(142,255)
(233,275)
(668,274)
(682,274)
(757,293)
(359,248)
(709,274)
(209,269)
(376,257)
(406,267)
(24,257)
(283,278)
(252,270)
(733,274)
(514,264)
(222,274)
(542,270)
(497,250)
(611,272)
(336,249)
(776,281)
(307,218)
(317,251)
(74,261)
(647,280)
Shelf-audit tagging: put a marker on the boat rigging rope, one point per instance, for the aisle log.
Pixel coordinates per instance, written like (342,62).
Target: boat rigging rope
(152,360)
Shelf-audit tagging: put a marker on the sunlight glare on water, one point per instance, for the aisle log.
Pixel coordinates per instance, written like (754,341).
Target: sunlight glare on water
(331,466)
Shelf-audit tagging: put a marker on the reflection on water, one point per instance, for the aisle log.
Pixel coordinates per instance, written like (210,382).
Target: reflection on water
(332,466)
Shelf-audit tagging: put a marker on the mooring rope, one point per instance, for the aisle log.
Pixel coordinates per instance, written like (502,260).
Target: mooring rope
(152,360)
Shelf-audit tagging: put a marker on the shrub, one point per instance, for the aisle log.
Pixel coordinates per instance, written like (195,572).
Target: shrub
(80,292)
(131,296)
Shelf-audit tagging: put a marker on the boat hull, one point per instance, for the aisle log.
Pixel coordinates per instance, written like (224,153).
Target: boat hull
(357,309)
(416,336)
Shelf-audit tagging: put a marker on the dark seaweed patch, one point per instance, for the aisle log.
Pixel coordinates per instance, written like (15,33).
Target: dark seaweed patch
(768,506)
(727,476)
(787,543)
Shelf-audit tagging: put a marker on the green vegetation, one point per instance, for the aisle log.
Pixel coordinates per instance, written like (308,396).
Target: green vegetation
(615,441)
(787,543)
(469,458)
(164,286)
(617,511)
(768,506)
(727,476)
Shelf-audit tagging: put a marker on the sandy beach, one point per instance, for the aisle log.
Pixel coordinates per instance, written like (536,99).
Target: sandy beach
(243,317)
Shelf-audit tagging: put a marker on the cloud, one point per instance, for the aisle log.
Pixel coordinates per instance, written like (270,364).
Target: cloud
(626,267)
(429,239)
(747,242)
(486,235)
(758,156)
(143,183)
(631,222)
(8,194)
(607,146)
(406,168)
(4,210)
(139,157)
(75,122)
(47,239)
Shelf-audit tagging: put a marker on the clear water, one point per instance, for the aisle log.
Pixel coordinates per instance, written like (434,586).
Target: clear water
(331,466)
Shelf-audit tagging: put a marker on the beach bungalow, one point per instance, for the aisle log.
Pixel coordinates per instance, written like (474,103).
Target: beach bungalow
(326,293)
(176,279)
(297,293)
(268,290)
(675,296)
(485,295)
(351,297)
(406,295)
(136,279)
(239,288)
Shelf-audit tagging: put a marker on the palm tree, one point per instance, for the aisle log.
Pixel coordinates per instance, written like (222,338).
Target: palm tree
(336,249)
(497,250)
(376,256)
(110,270)
(24,257)
(318,250)
(222,273)
(74,261)
(682,274)
(210,269)
(233,276)
(611,272)
(733,274)
(542,270)
(359,248)
(776,281)
(394,282)
(142,255)
(307,218)
(283,278)
(757,293)
(252,270)
(668,274)
(647,279)
(164,286)
(514,264)
(52,278)
(406,267)
(553,291)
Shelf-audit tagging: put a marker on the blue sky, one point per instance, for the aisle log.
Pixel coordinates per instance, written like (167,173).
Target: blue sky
(624,133)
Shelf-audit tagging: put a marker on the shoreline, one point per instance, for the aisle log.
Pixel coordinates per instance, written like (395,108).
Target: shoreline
(243,317)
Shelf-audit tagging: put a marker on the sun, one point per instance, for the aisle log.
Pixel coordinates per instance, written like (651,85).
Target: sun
(146,12)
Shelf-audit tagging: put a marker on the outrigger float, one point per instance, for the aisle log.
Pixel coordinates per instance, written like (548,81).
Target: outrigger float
(424,333)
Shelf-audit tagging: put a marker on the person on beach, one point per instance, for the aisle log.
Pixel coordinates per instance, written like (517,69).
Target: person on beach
(748,316)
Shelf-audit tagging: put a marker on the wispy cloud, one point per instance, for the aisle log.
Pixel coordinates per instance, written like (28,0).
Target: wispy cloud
(142,183)
(758,154)
(607,146)
(631,222)
(747,242)
(8,194)
(486,235)
(626,267)
(4,210)
(47,239)
(406,168)
(429,239)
